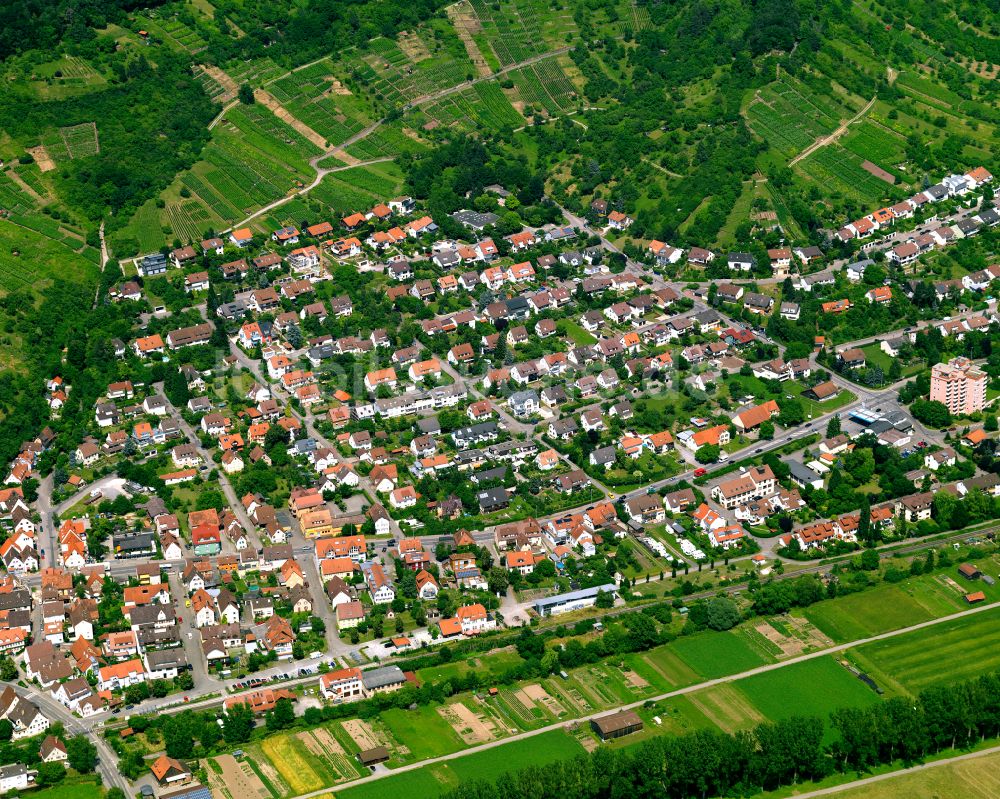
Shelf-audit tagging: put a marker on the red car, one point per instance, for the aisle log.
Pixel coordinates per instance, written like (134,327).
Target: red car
(699,472)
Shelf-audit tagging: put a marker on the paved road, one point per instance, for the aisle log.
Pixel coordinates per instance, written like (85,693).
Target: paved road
(110,486)
(107,760)
(668,695)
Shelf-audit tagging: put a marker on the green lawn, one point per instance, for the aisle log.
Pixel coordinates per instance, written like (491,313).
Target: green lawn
(876,357)
(576,334)
(950,652)
(714,655)
(84,789)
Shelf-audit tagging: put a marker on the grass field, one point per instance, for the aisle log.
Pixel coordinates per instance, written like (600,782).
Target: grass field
(83,789)
(887,607)
(951,652)
(978,778)
(813,687)
(433,780)
(718,654)
(423,731)
(494,663)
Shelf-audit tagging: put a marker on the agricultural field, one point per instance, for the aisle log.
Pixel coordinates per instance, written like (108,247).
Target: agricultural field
(978,778)
(953,651)
(791,117)
(81,140)
(543,88)
(257,72)
(873,142)
(253,159)
(386,141)
(359,188)
(164,25)
(888,607)
(310,760)
(434,780)
(494,663)
(319,99)
(813,687)
(33,260)
(839,170)
(14,197)
(718,654)
(64,77)
(422,732)
(417,64)
(519,30)
(484,105)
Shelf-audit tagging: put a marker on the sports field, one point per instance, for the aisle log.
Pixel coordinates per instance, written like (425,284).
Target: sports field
(950,652)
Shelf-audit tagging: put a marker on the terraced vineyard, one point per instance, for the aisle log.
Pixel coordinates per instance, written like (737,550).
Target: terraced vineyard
(875,143)
(396,78)
(317,98)
(387,141)
(253,159)
(212,87)
(835,167)
(515,31)
(484,105)
(360,188)
(791,118)
(257,72)
(543,87)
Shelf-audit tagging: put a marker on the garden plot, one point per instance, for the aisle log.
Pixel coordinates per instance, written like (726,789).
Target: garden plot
(412,46)
(792,636)
(217,84)
(237,780)
(467,26)
(569,696)
(81,140)
(365,736)
(536,694)
(470,726)
(42,158)
(726,707)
